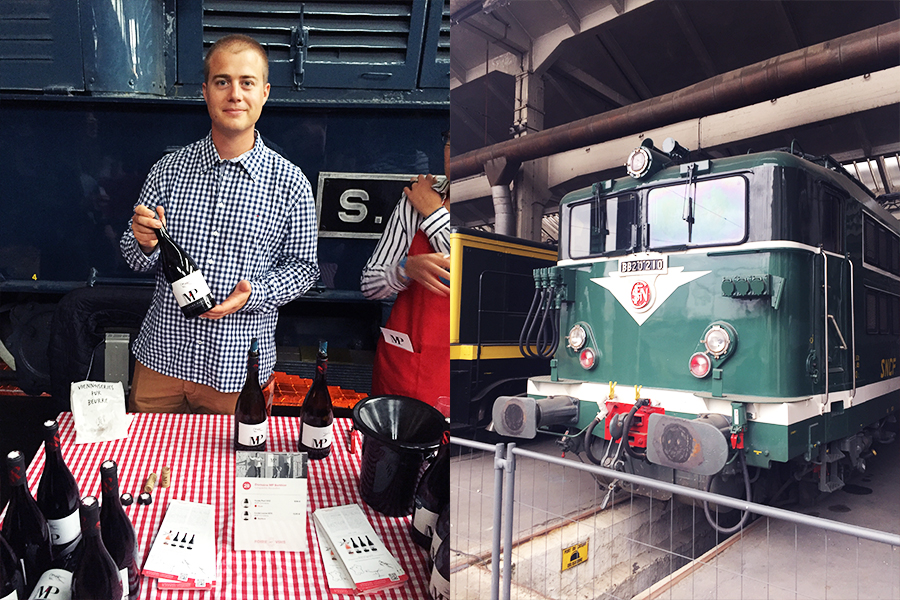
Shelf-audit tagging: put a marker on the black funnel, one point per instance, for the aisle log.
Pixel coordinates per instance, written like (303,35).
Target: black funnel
(399,432)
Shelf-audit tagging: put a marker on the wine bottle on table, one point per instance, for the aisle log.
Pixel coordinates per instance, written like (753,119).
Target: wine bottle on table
(12,586)
(251,421)
(24,527)
(96,577)
(441,532)
(57,497)
(439,586)
(432,495)
(55,583)
(118,533)
(188,284)
(317,412)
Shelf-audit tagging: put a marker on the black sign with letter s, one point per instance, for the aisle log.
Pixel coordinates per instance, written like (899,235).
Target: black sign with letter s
(357,205)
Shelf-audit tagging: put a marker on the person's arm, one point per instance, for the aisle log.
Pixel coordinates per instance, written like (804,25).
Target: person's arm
(427,196)
(383,274)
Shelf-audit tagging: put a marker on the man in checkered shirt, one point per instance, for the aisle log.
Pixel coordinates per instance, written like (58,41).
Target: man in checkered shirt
(247,218)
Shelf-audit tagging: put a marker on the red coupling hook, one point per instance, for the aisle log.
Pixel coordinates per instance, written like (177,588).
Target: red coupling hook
(737,441)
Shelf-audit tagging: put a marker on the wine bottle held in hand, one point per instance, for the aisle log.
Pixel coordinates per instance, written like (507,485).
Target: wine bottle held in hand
(317,412)
(24,527)
(96,577)
(250,417)
(188,284)
(117,532)
(12,586)
(58,499)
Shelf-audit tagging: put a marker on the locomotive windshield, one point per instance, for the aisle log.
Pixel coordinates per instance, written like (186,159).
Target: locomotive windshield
(703,213)
(602,225)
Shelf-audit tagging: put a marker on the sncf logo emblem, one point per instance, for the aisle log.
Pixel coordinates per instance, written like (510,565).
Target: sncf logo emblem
(640,295)
(643,297)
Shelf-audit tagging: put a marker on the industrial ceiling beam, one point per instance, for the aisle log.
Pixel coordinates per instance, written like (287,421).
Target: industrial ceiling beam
(856,54)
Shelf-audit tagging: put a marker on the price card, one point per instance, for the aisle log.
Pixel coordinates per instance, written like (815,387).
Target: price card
(270,501)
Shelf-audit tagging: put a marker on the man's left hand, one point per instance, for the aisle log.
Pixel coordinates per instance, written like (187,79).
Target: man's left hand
(233,303)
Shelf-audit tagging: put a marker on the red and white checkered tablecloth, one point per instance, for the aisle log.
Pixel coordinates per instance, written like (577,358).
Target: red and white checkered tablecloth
(198,450)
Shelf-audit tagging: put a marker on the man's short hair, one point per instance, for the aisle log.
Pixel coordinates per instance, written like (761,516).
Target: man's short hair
(236,42)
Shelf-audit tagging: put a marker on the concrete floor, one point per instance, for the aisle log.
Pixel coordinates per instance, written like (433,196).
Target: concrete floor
(640,542)
(775,559)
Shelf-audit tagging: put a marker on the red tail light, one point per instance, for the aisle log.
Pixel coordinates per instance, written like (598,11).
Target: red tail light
(700,365)
(587,358)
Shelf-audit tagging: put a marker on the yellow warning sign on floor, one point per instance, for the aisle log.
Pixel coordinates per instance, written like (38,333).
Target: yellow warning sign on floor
(574,555)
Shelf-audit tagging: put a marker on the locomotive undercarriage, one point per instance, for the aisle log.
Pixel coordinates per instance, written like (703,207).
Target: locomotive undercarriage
(827,468)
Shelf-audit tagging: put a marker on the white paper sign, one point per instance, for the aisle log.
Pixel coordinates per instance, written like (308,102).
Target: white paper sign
(270,500)
(397,338)
(98,408)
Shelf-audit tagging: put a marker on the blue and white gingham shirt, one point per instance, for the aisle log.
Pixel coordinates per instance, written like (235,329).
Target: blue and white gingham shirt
(252,217)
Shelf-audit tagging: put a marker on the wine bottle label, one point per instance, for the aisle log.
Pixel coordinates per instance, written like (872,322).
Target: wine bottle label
(123,575)
(435,544)
(439,587)
(55,584)
(190,289)
(316,437)
(424,520)
(64,531)
(252,435)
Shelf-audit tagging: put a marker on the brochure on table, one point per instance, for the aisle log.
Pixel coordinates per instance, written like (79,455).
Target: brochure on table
(183,555)
(354,556)
(270,501)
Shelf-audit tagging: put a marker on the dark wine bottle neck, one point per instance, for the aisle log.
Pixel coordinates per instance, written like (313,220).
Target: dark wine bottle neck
(253,369)
(321,369)
(110,489)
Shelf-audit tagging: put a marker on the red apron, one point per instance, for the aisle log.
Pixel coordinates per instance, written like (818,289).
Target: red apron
(424,316)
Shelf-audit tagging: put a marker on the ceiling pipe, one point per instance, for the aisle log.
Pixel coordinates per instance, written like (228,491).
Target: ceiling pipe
(849,56)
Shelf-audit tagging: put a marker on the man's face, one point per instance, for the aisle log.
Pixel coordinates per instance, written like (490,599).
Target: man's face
(235,92)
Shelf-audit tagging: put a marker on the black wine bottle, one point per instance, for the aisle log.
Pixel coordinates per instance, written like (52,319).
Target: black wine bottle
(188,284)
(317,412)
(57,497)
(251,420)
(55,583)
(432,495)
(441,532)
(12,586)
(439,586)
(118,533)
(96,577)
(24,527)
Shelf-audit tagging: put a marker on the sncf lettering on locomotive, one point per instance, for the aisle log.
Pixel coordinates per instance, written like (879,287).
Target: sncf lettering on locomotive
(888,367)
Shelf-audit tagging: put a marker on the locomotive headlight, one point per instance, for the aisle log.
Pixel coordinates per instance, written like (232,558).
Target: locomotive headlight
(587,358)
(577,336)
(700,365)
(717,341)
(638,163)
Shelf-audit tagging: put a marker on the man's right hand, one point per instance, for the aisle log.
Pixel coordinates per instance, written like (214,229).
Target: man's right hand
(144,225)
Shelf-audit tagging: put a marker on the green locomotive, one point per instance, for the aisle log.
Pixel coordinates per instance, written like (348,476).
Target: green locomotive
(717,319)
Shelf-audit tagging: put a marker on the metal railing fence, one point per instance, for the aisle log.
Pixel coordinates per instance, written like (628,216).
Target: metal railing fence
(529,530)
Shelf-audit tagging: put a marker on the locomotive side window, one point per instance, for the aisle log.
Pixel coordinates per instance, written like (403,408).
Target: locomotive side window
(882,313)
(881,247)
(703,213)
(601,225)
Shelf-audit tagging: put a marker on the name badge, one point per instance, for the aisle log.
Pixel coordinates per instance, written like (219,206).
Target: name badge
(396,338)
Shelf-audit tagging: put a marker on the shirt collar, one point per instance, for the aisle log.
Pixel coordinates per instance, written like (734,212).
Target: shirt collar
(251,161)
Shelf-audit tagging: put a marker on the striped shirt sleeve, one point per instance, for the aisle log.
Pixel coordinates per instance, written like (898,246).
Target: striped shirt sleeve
(383,276)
